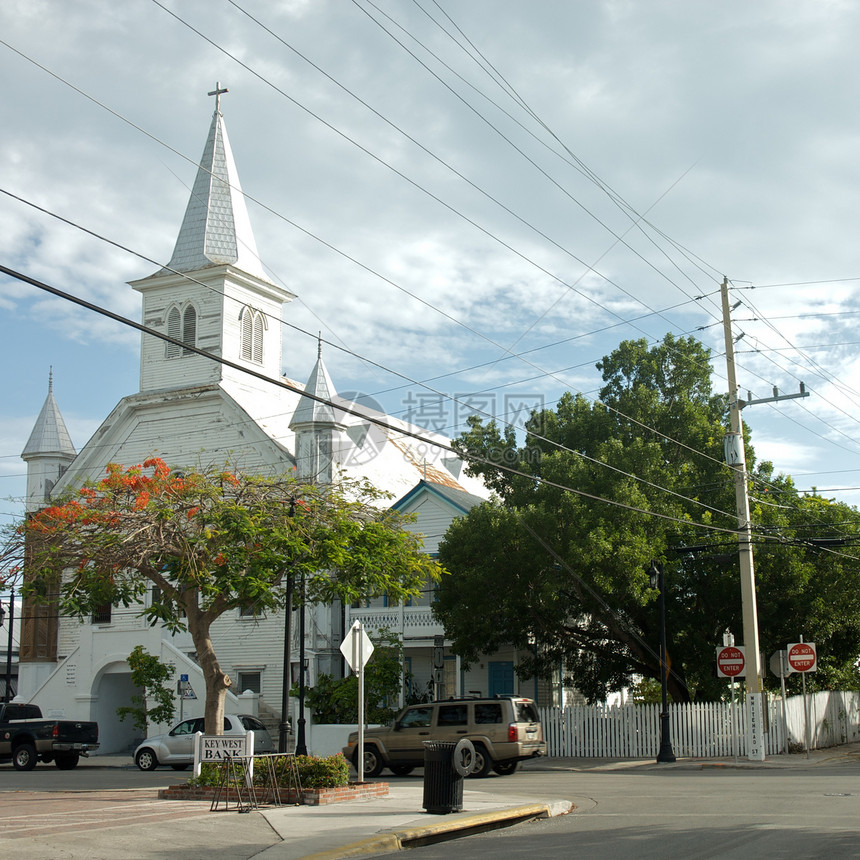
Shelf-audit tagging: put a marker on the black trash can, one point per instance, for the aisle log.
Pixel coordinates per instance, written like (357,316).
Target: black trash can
(446,763)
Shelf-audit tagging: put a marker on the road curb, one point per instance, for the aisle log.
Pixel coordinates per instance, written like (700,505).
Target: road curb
(449,828)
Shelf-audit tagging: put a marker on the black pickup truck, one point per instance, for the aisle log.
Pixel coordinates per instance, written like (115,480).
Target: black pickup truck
(26,736)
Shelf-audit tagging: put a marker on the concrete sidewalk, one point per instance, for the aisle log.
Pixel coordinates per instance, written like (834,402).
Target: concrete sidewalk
(390,824)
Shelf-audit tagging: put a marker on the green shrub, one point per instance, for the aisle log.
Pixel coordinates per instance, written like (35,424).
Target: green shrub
(314,772)
(323,772)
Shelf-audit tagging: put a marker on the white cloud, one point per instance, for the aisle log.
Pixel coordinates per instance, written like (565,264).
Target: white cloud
(732,121)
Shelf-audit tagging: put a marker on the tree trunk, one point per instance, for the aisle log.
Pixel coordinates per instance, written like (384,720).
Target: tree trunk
(217,682)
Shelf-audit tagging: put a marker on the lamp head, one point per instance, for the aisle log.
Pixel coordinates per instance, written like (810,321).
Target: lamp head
(653,574)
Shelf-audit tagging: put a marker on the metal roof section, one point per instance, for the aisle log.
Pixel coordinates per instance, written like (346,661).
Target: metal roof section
(311,411)
(216,229)
(50,435)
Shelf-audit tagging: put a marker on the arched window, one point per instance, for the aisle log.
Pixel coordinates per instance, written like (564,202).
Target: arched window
(181,326)
(253,324)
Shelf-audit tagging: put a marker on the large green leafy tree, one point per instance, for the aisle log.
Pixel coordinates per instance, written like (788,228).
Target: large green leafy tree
(211,541)
(557,566)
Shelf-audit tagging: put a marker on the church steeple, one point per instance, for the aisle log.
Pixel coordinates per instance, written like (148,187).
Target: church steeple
(213,294)
(48,451)
(216,228)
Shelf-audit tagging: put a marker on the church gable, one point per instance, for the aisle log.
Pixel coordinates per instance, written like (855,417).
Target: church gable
(190,429)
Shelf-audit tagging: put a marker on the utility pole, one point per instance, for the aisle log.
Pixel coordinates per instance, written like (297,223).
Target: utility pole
(8,695)
(736,460)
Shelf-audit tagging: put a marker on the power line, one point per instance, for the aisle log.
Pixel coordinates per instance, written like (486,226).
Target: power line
(386,425)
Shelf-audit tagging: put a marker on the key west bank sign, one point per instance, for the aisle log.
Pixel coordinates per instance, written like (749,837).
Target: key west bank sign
(214,749)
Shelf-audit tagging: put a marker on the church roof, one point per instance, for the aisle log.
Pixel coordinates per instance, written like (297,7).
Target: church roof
(50,435)
(216,229)
(310,410)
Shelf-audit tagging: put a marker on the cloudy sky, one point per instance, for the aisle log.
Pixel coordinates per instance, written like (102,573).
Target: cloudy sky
(486,196)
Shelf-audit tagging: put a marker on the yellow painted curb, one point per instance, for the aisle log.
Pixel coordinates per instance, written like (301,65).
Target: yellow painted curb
(372,845)
(396,840)
(470,822)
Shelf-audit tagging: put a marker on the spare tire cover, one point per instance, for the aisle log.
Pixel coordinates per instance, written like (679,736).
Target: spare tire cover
(464,757)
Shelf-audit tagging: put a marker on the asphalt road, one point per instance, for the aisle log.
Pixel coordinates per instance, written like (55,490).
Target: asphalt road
(89,775)
(713,812)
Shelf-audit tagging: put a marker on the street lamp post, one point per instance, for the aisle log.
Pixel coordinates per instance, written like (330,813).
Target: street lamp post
(301,744)
(7,696)
(284,727)
(666,753)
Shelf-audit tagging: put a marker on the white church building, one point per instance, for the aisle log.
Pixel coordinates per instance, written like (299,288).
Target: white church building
(194,411)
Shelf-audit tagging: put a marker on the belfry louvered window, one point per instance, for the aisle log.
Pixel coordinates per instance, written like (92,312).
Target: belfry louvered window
(189,329)
(253,326)
(181,326)
(174,330)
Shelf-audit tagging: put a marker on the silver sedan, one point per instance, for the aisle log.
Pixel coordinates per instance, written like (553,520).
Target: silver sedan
(176,748)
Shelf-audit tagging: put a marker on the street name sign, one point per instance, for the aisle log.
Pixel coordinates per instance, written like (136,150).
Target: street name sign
(731,662)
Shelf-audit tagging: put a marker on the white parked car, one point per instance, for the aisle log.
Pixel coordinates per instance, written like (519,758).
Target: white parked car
(176,748)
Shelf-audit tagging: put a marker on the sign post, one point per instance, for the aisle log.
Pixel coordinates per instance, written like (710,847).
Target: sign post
(185,691)
(731,663)
(357,648)
(803,658)
(779,666)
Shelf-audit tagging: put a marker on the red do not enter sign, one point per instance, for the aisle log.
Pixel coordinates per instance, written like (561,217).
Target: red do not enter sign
(730,661)
(802,657)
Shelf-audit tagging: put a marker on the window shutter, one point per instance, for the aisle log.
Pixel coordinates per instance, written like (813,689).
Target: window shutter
(258,338)
(247,333)
(173,330)
(189,327)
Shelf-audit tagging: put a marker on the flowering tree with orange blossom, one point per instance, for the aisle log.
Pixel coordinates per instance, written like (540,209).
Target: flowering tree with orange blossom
(212,540)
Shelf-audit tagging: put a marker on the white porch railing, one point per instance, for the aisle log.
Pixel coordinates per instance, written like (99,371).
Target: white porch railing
(409,621)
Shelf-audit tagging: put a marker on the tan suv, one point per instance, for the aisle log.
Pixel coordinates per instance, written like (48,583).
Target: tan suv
(505,730)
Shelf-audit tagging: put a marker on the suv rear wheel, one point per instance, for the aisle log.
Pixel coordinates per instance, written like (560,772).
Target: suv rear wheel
(67,760)
(373,763)
(483,762)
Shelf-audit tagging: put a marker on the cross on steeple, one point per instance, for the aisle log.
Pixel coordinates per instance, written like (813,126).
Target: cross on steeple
(217,92)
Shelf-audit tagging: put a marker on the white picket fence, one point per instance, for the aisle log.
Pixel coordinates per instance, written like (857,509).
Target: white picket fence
(699,729)
(834,718)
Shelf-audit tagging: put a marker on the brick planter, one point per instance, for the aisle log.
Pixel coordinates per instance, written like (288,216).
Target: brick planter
(310,796)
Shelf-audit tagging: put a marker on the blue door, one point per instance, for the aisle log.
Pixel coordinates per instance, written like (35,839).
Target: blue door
(501,677)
